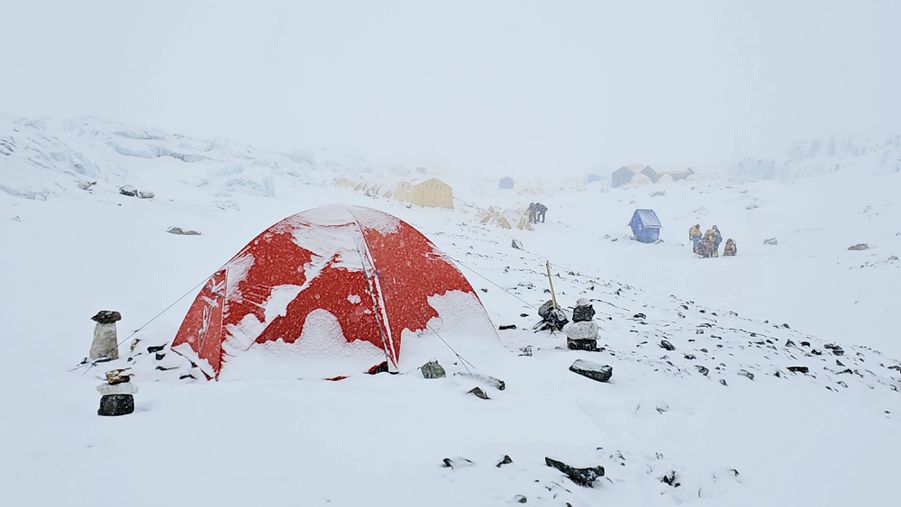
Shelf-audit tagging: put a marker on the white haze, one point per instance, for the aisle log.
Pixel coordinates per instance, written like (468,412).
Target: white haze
(502,86)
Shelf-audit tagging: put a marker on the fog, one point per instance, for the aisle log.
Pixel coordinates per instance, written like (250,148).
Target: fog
(502,86)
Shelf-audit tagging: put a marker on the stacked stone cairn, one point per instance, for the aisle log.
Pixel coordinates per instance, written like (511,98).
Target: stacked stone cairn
(582,332)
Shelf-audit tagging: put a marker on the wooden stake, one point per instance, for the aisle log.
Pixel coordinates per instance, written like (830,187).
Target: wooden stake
(547,265)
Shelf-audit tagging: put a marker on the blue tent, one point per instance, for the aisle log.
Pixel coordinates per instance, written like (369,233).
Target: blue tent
(645,225)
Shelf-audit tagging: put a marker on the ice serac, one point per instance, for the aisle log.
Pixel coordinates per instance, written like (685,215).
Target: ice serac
(373,273)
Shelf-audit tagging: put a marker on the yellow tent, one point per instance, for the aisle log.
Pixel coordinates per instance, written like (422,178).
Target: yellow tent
(429,192)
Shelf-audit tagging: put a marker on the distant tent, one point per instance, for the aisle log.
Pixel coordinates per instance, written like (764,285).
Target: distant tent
(429,192)
(633,174)
(593,177)
(645,225)
(670,176)
(332,290)
(505,182)
(505,219)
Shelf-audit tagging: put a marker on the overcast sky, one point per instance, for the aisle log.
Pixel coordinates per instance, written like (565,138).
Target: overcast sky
(499,86)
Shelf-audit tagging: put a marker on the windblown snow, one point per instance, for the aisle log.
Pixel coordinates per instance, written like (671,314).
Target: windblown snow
(769,378)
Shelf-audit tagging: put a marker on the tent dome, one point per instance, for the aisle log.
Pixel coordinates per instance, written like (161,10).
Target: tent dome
(346,283)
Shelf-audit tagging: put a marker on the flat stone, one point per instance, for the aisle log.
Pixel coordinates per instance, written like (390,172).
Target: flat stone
(506,460)
(594,371)
(107,317)
(478,393)
(122,388)
(667,345)
(590,345)
(859,246)
(798,369)
(581,476)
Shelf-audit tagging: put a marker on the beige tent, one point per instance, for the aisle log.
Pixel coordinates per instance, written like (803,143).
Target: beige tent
(505,218)
(429,192)
(345,183)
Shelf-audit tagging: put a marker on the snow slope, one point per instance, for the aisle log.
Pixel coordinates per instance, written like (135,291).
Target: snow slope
(826,437)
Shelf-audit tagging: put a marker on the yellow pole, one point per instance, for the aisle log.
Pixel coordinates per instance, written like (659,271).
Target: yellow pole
(547,265)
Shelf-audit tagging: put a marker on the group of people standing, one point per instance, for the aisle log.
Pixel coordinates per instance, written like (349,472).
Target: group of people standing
(708,244)
(536,212)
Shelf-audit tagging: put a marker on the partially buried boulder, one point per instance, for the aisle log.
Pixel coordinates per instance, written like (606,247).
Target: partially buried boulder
(432,369)
(594,371)
(859,246)
(182,232)
(581,476)
(116,404)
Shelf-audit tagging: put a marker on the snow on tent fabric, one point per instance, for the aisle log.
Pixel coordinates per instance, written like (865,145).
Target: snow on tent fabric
(349,275)
(645,225)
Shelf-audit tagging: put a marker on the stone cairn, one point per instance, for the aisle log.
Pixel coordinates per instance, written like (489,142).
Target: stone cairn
(582,332)
(105,342)
(117,394)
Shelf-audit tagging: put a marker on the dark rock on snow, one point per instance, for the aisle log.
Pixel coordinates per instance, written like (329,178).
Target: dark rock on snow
(746,373)
(667,345)
(670,479)
(457,462)
(581,476)
(507,327)
(583,313)
(859,246)
(516,244)
(594,371)
(798,369)
(588,344)
(520,499)
(478,393)
(182,232)
(155,348)
(702,369)
(116,404)
(432,369)
(506,460)
(771,241)
(107,317)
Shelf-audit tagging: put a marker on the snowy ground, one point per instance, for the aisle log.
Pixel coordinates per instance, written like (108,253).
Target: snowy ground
(827,437)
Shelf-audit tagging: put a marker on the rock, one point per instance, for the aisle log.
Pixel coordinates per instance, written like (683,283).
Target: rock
(128,190)
(581,476)
(478,392)
(667,345)
(523,314)
(690,357)
(640,316)
(155,348)
(587,345)
(526,351)
(116,404)
(516,244)
(506,327)
(105,343)
(702,369)
(117,376)
(670,479)
(581,330)
(594,371)
(746,373)
(432,369)
(798,369)
(86,185)
(457,462)
(583,311)
(120,388)
(805,344)
(837,350)
(771,241)
(145,195)
(859,246)
(506,460)
(107,317)
(182,232)
(520,499)
(723,381)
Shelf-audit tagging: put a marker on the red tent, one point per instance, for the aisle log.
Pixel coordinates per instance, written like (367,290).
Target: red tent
(374,275)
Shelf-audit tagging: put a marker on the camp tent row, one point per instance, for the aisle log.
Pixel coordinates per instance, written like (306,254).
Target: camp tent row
(428,191)
(644,175)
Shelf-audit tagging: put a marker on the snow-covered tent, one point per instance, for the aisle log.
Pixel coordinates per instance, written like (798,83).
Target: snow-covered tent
(428,192)
(645,225)
(592,178)
(505,182)
(633,174)
(505,219)
(347,286)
